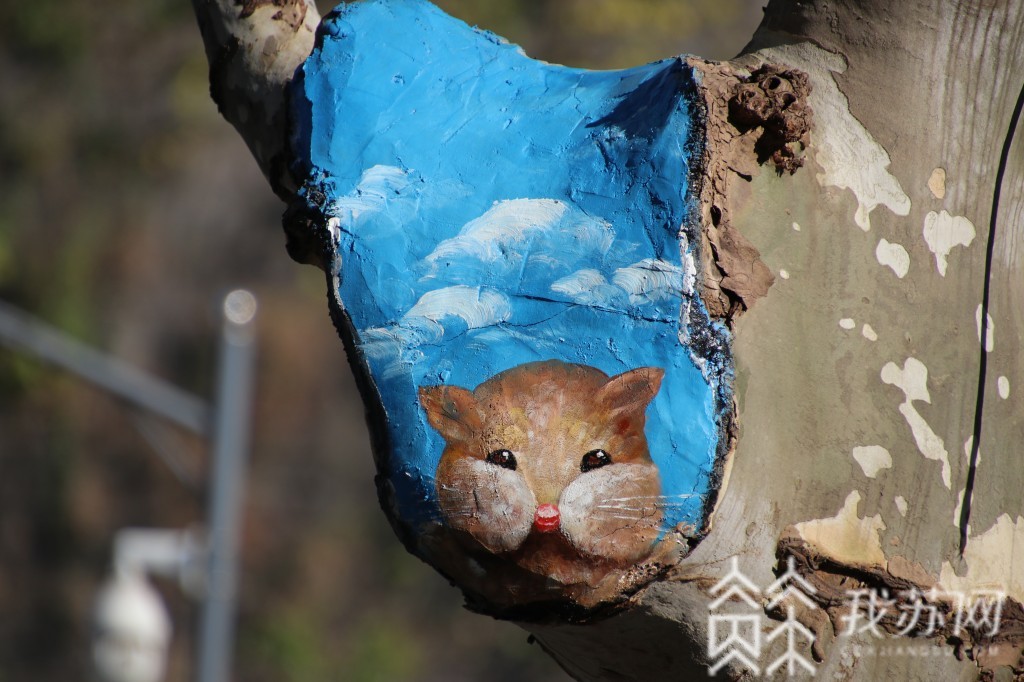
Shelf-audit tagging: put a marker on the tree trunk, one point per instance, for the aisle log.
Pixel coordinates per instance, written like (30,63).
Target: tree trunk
(878,417)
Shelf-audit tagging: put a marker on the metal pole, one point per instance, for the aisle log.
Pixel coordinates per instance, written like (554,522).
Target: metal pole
(20,330)
(230,444)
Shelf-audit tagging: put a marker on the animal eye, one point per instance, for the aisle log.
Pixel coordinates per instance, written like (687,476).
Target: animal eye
(503,458)
(595,459)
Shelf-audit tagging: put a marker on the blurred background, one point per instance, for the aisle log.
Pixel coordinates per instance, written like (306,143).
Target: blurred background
(128,208)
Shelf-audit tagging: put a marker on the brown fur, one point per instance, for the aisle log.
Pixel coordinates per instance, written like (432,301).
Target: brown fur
(549,415)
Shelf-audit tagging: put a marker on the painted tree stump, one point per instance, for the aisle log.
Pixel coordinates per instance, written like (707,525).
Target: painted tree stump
(513,260)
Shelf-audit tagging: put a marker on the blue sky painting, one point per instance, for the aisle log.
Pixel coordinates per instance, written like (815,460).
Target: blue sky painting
(487,210)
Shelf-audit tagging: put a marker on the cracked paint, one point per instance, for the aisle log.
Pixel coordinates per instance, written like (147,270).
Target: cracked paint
(912,379)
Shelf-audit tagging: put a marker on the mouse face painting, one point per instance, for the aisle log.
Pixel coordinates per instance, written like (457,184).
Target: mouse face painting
(513,262)
(547,463)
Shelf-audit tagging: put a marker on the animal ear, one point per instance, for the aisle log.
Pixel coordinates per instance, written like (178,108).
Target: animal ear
(631,392)
(452,411)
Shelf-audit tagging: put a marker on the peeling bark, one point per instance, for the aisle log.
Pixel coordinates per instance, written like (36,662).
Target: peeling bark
(904,583)
(747,124)
(774,100)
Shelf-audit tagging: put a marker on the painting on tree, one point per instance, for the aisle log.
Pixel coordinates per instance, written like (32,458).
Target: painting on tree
(586,229)
(512,252)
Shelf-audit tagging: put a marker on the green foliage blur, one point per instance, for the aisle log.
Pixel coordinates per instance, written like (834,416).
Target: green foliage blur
(613,34)
(127,209)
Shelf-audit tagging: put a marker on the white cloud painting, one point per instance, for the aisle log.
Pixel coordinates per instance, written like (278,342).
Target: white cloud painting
(500,266)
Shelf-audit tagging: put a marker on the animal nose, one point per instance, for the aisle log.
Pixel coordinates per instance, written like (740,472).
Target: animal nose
(547,519)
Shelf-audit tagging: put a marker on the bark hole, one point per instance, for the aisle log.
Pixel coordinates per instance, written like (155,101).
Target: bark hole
(774,100)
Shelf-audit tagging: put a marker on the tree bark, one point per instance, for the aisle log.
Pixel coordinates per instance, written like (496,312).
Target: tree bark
(254,47)
(878,420)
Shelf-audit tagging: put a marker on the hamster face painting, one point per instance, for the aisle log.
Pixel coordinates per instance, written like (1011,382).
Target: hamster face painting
(546,464)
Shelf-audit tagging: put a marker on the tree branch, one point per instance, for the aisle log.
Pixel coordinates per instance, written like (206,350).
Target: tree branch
(254,48)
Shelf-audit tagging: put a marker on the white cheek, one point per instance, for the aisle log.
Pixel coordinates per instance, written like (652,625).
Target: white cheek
(496,506)
(589,492)
(617,499)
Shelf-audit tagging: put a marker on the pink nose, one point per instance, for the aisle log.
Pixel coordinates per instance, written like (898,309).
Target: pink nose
(547,518)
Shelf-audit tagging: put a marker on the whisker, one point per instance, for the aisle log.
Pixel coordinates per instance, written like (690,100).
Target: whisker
(682,496)
(606,513)
(622,511)
(659,503)
(459,510)
(626,504)
(622,518)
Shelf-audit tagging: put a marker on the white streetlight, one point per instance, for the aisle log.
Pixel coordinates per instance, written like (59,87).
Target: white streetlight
(132,626)
(133,630)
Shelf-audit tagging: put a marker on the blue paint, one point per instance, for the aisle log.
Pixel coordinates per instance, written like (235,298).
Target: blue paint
(488,210)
